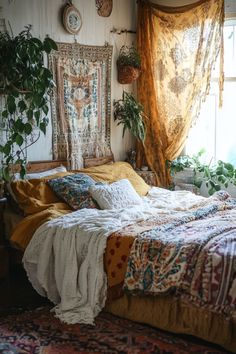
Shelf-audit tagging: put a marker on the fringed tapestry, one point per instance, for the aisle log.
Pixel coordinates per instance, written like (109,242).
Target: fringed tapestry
(81,102)
(178,47)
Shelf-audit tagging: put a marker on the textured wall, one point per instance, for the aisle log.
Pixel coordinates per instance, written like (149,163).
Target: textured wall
(45,16)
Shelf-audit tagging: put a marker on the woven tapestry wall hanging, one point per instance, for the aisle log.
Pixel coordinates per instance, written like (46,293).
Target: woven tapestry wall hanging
(81,102)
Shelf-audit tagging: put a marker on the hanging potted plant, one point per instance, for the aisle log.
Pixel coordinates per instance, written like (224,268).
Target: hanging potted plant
(25,84)
(128,65)
(130,113)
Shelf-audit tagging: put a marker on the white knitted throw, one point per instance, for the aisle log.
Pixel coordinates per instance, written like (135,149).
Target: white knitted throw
(64,260)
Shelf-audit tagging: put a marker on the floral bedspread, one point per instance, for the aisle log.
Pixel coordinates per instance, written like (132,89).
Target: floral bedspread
(192,255)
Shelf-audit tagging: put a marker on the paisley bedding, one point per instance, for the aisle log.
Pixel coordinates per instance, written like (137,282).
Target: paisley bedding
(191,255)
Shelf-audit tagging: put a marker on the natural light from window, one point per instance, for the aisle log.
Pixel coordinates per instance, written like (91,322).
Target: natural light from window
(215,129)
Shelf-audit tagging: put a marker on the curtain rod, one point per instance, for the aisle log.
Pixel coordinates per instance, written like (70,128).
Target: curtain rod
(121,31)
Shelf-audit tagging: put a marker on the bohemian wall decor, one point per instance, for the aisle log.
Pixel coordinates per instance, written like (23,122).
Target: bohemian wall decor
(104,7)
(81,102)
(71,18)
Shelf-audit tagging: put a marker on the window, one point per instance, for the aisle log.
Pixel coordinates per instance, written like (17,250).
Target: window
(215,129)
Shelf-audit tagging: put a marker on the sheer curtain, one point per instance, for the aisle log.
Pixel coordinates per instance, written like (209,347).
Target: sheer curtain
(178,48)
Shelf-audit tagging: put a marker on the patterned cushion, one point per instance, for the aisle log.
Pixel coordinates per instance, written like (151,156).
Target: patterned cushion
(74,190)
(117,195)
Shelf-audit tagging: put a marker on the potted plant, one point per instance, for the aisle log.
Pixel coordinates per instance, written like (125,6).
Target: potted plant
(130,113)
(190,170)
(25,84)
(128,65)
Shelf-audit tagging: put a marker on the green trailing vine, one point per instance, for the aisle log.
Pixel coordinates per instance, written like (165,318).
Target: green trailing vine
(25,85)
(215,176)
(130,113)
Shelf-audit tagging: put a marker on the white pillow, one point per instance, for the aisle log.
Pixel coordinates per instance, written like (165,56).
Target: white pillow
(53,171)
(116,195)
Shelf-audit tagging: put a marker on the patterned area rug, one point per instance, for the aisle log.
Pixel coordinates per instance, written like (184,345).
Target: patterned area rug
(39,332)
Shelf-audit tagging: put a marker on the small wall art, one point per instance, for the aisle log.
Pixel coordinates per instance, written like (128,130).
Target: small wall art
(104,7)
(72,21)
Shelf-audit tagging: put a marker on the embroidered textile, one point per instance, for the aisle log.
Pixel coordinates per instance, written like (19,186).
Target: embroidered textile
(191,255)
(178,47)
(81,102)
(74,190)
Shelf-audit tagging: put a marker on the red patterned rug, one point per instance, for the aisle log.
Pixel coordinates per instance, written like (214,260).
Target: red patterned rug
(39,332)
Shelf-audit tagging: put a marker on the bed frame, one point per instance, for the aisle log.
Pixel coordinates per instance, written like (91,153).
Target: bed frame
(40,166)
(43,165)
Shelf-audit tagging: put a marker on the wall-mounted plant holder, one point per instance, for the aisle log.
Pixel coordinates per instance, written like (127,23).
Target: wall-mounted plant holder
(128,65)
(104,7)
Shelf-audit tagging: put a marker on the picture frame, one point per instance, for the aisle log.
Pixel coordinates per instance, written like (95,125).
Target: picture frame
(72,20)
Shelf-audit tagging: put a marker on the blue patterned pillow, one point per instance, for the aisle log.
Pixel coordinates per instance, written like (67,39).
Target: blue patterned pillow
(74,190)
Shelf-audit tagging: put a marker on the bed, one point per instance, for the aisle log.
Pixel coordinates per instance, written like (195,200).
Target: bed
(89,259)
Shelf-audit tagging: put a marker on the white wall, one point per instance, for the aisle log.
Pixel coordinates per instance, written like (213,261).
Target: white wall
(45,16)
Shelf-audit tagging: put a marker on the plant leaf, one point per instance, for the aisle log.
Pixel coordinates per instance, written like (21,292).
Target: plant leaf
(19,139)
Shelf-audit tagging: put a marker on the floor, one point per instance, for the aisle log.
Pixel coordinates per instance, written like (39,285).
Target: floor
(16,291)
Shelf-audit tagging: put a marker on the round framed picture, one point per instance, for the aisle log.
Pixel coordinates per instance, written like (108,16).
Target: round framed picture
(71,19)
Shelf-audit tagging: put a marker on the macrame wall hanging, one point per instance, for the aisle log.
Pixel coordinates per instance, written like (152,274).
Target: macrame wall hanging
(81,102)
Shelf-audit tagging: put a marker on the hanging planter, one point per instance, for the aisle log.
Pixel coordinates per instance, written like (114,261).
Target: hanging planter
(128,65)
(104,7)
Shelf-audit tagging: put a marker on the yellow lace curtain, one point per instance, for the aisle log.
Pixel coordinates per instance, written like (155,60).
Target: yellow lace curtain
(178,48)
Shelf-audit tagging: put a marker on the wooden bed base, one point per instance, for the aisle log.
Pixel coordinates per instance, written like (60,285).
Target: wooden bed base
(44,165)
(40,166)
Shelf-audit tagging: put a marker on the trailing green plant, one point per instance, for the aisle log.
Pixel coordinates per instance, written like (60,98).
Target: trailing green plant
(25,84)
(222,173)
(130,113)
(215,176)
(186,161)
(129,56)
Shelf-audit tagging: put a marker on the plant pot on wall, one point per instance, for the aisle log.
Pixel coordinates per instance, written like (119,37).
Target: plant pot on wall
(128,65)
(127,74)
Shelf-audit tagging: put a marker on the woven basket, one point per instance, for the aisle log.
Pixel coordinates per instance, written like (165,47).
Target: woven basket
(127,74)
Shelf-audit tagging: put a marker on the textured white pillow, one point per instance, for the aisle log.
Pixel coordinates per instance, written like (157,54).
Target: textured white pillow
(116,195)
(37,175)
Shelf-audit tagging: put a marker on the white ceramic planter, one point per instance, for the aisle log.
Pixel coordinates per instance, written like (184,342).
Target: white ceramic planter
(231,190)
(186,176)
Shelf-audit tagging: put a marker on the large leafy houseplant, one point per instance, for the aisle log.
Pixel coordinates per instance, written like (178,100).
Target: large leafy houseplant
(130,113)
(25,84)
